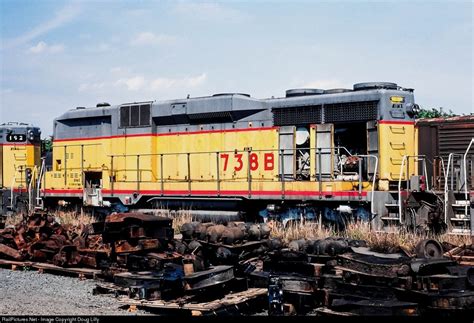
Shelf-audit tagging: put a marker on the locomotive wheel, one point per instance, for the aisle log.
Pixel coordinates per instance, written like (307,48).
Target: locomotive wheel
(429,249)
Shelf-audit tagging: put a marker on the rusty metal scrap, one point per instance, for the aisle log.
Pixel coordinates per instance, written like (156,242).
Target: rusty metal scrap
(129,226)
(366,307)
(151,260)
(388,267)
(332,276)
(232,233)
(212,277)
(6,250)
(429,248)
(37,238)
(152,285)
(40,238)
(67,256)
(464,255)
(126,246)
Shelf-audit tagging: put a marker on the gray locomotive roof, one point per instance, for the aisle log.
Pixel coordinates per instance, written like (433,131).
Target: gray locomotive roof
(235,110)
(86,113)
(369,95)
(230,102)
(235,102)
(16,128)
(16,125)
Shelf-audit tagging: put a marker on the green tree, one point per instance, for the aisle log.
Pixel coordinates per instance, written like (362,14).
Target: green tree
(47,144)
(435,113)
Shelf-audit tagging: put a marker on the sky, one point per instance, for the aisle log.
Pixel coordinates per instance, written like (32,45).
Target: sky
(58,55)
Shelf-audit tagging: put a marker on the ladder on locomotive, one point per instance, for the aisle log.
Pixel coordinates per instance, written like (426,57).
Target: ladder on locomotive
(458,189)
(19,173)
(34,189)
(20,158)
(396,207)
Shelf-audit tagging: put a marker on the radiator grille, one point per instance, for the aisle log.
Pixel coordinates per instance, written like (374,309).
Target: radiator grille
(211,116)
(334,112)
(350,111)
(297,115)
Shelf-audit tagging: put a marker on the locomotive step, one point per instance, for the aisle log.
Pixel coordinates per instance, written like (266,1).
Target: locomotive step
(460,231)
(460,219)
(462,203)
(391,205)
(389,218)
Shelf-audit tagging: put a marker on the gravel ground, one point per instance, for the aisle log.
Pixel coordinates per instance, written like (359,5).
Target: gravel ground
(32,293)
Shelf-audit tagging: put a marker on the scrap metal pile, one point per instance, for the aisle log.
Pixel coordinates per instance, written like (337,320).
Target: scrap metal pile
(141,258)
(41,238)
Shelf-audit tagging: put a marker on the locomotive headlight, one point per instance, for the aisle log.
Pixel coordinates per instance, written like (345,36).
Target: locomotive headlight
(31,135)
(412,109)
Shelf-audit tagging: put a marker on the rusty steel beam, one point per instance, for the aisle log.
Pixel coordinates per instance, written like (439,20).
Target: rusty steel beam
(6,250)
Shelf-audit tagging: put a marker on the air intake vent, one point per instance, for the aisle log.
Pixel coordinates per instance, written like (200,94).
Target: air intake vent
(102,104)
(302,92)
(375,85)
(350,111)
(297,116)
(333,113)
(210,117)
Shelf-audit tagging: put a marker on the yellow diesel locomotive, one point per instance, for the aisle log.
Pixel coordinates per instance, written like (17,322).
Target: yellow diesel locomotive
(313,153)
(330,155)
(20,154)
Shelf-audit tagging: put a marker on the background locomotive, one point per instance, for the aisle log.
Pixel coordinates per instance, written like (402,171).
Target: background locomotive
(328,154)
(20,153)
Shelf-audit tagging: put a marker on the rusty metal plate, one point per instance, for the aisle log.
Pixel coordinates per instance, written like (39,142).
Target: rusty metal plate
(125,246)
(6,250)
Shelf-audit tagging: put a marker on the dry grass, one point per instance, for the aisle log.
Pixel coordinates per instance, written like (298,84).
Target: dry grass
(389,241)
(62,217)
(72,218)
(75,221)
(299,230)
(378,241)
(457,240)
(13,219)
(179,217)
